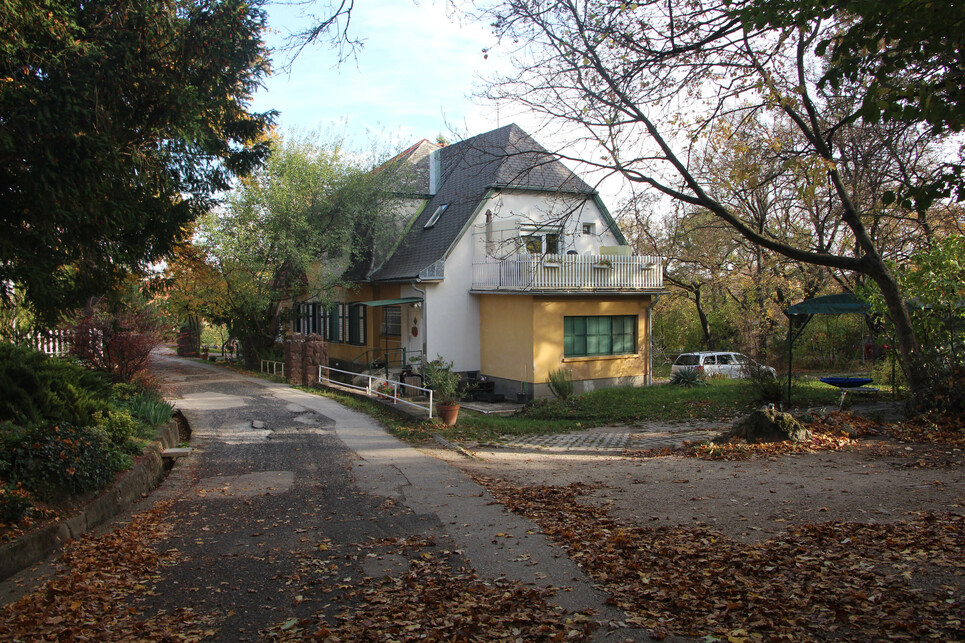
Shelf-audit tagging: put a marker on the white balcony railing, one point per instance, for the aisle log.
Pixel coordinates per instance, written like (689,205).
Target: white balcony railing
(568,272)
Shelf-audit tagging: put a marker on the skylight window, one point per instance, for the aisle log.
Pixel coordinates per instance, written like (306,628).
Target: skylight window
(435,215)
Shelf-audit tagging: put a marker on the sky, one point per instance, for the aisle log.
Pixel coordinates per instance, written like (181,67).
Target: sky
(413,78)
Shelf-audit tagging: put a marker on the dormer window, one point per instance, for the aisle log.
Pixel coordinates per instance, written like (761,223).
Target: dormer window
(435,216)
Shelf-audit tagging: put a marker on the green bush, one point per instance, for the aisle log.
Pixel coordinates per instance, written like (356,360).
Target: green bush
(118,425)
(35,388)
(444,383)
(765,387)
(14,502)
(56,460)
(561,383)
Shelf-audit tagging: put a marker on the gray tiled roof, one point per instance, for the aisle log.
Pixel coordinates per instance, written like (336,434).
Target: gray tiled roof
(503,158)
(413,168)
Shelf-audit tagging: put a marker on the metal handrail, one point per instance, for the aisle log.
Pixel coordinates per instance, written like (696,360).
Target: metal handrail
(395,386)
(271,368)
(380,354)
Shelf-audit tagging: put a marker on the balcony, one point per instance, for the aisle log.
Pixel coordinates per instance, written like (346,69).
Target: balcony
(568,273)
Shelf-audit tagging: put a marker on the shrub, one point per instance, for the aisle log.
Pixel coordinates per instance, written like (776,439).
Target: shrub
(765,387)
(688,377)
(15,501)
(561,383)
(35,388)
(57,460)
(118,425)
(443,381)
(116,343)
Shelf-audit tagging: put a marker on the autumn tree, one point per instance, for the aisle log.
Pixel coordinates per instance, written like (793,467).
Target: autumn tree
(293,229)
(652,82)
(905,55)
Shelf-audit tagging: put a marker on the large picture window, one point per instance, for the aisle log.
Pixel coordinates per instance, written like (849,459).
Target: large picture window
(541,243)
(599,335)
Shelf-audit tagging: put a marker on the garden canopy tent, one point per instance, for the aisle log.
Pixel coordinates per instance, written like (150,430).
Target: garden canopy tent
(842,304)
(800,314)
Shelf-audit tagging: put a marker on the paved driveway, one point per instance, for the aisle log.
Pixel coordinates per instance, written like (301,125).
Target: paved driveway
(279,474)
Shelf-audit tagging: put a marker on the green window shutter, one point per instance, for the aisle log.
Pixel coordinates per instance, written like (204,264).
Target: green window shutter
(297,318)
(356,324)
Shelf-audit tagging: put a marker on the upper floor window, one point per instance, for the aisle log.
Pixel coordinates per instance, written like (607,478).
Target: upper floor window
(541,243)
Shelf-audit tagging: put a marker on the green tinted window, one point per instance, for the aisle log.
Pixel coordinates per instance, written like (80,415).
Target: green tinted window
(599,335)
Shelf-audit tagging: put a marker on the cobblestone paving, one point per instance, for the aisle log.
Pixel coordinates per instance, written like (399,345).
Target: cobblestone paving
(616,440)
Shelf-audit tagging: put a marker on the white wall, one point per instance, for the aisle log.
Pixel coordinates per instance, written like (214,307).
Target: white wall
(529,209)
(450,319)
(453,319)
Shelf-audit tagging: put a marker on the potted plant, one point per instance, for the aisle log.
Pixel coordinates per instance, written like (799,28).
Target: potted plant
(446,388)
(385,390)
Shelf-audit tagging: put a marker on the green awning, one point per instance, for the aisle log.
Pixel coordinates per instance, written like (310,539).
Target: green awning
(829,305)
(392,302)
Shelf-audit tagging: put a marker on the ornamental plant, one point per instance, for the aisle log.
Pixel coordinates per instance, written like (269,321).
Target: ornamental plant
(445,384)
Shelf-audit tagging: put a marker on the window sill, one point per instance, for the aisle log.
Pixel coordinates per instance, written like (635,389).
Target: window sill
(587,358)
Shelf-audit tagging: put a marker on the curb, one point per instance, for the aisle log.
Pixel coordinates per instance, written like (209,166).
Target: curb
(129,487)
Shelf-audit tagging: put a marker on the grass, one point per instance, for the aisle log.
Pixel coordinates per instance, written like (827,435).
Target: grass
(722,399)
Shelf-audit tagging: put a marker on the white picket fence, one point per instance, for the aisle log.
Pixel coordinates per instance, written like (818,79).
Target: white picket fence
(53,342)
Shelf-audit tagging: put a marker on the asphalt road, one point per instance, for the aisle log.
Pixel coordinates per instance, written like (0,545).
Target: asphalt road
(289,498)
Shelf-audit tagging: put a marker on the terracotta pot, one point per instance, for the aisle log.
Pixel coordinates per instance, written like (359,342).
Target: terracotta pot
(448,413)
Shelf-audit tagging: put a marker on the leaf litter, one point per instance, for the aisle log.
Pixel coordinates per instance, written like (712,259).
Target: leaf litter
(815,582)
(437,598)
(92,597)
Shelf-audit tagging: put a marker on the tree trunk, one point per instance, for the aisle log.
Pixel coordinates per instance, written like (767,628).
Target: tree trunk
(704,323)
(251,347)
(912,362)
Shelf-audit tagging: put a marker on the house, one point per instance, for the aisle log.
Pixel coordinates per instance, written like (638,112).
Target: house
(509,265)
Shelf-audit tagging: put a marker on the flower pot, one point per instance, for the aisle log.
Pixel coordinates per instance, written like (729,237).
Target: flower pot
(448,413)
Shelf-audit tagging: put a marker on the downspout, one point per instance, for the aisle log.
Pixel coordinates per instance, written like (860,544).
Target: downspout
(425,323)
(653,300)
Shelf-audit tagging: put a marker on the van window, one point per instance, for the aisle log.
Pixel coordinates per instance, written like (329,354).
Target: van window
(688,359)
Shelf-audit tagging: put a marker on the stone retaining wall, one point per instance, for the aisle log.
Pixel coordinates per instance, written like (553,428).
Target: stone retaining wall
(130,486)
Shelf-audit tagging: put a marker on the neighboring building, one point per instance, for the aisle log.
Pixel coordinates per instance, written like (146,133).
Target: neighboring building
(509,266)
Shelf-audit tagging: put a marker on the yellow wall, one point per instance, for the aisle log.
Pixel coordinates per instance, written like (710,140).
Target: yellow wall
(522,337)
(548,349)
(506,336)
